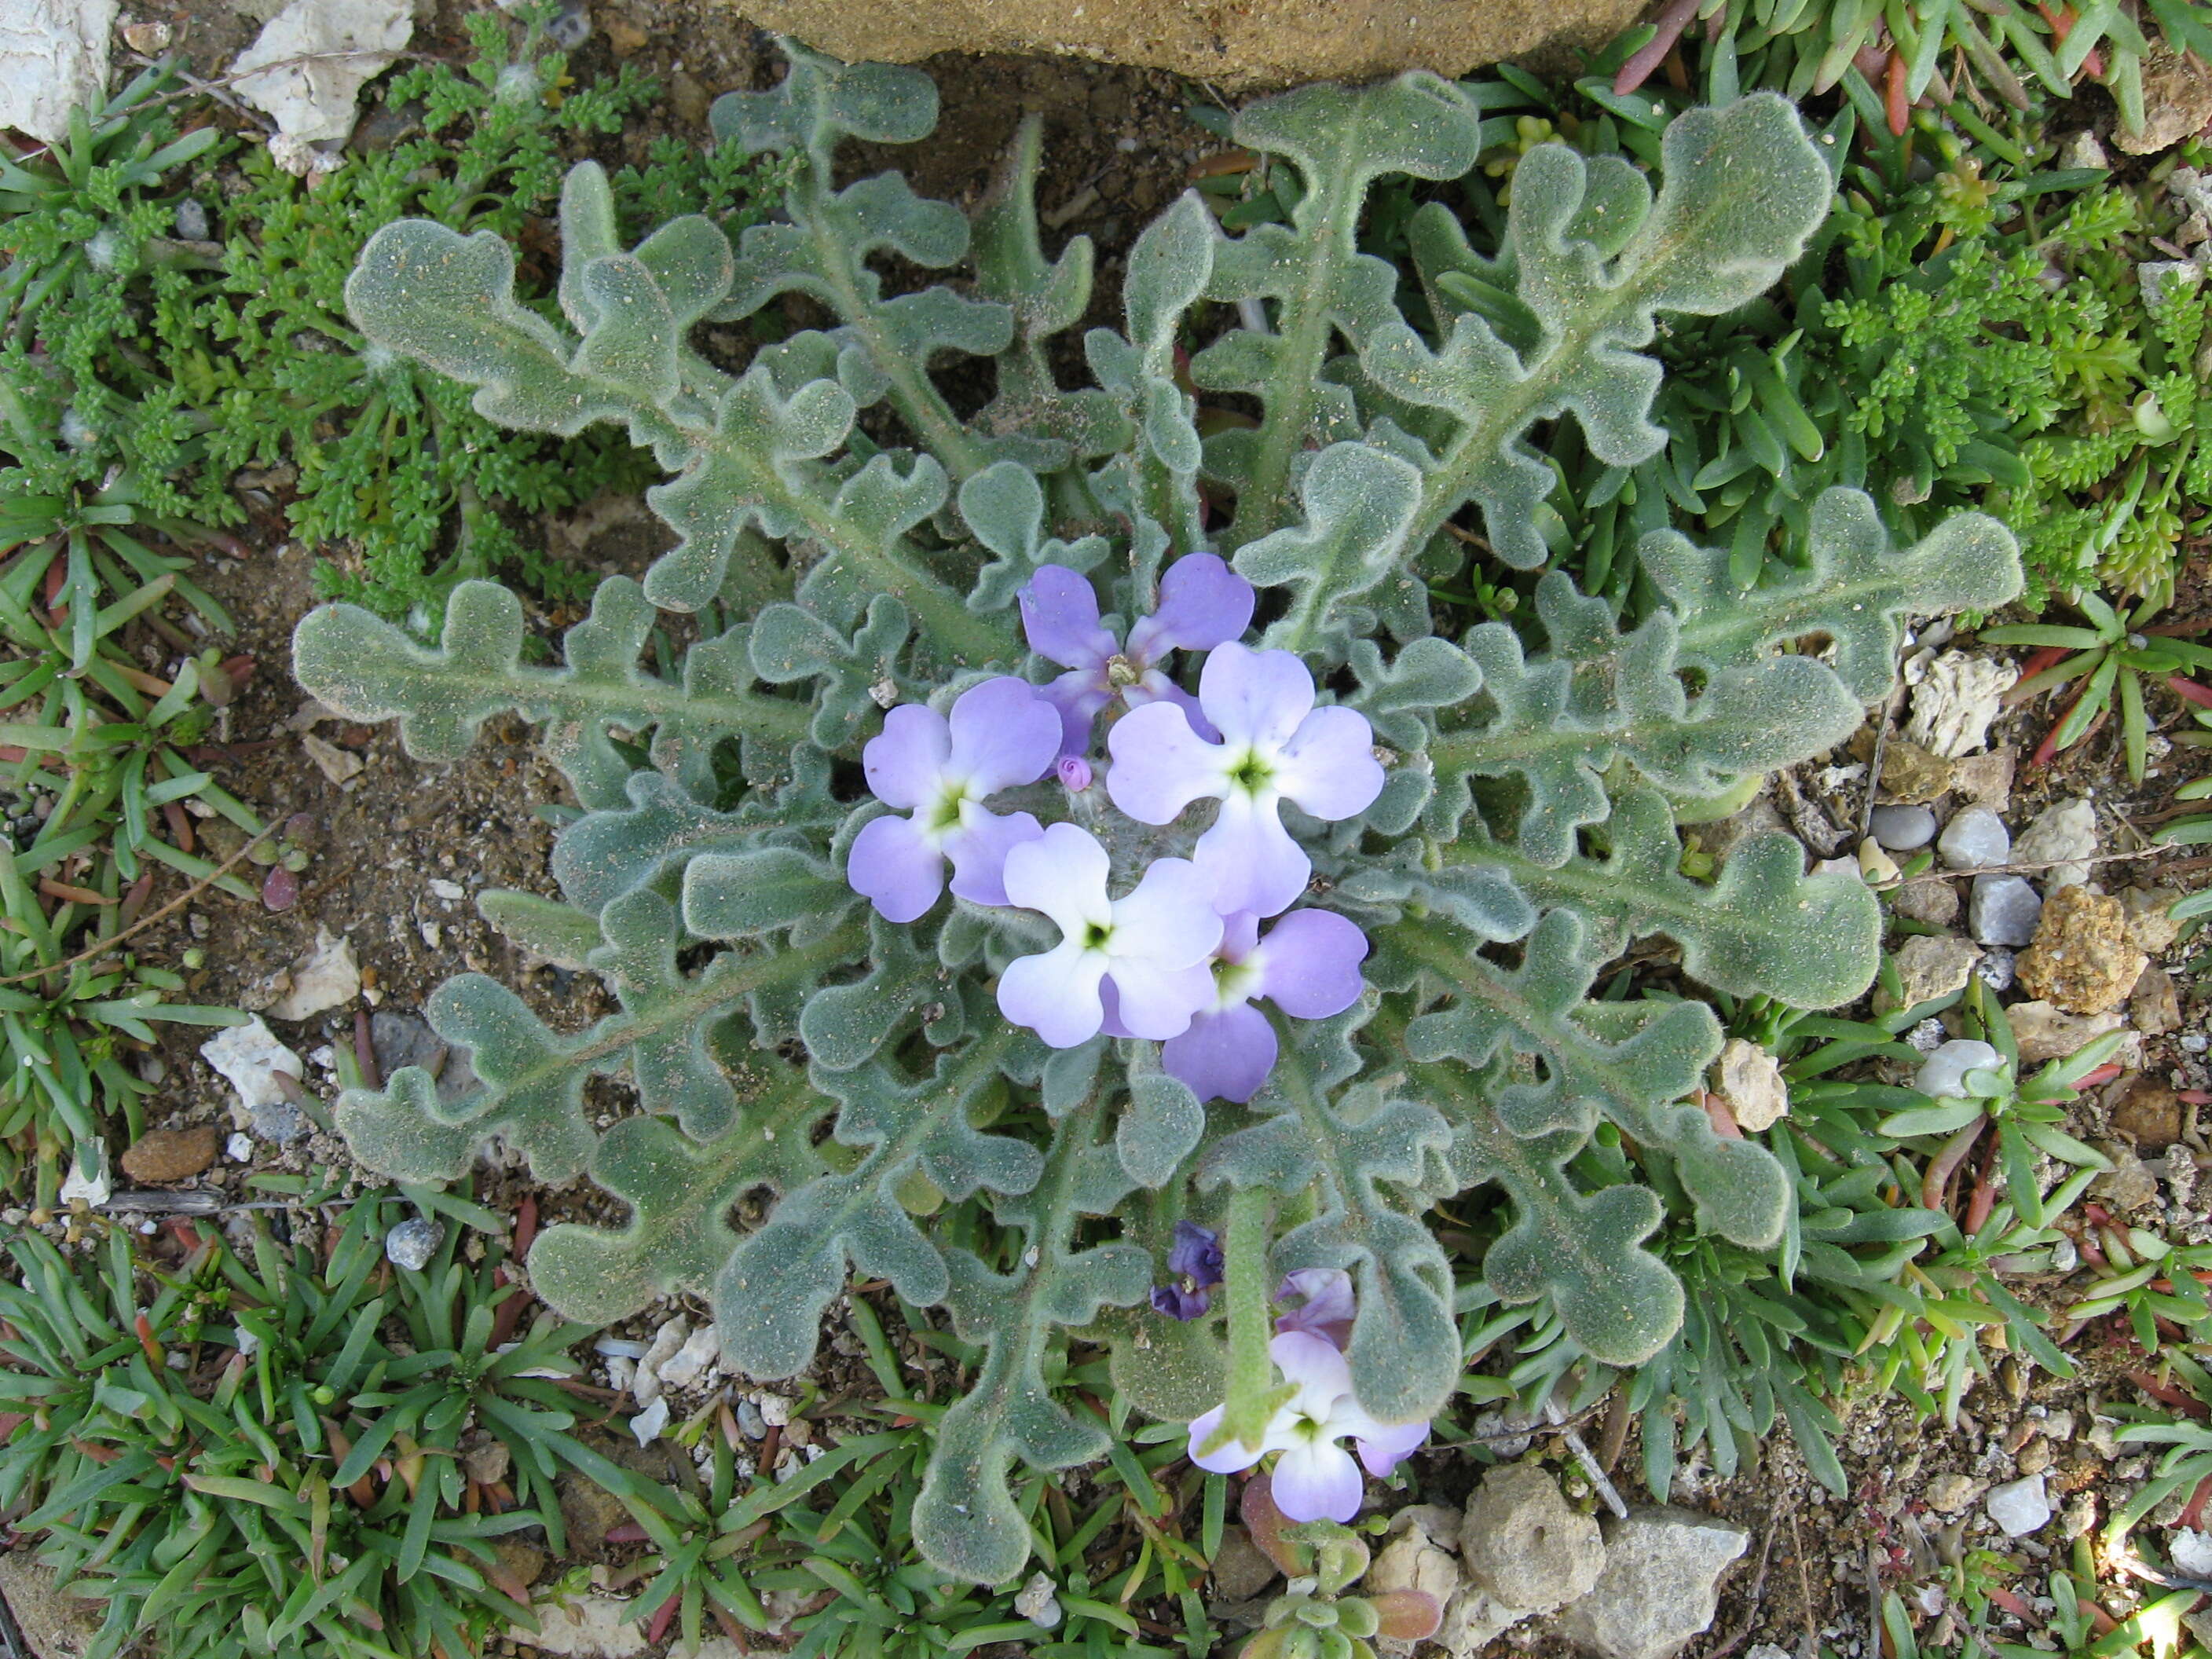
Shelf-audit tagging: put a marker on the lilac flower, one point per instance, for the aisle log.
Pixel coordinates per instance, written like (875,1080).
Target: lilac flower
(1154,944)
(1315,1478)
(1202,603)
(1001,734)
(1308,966)
(1274,745)
(1195,1264)
(1325,1304)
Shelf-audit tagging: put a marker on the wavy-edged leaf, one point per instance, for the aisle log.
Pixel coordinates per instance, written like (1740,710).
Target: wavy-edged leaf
(1743,189)
(769,1296)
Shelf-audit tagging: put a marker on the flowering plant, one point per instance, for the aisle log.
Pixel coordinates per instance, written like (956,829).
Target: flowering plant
(1272,938)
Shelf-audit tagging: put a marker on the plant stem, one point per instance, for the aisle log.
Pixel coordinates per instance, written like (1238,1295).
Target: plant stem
(1251,1373)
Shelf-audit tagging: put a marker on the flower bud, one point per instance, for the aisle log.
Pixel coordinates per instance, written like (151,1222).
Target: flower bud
(1074,772)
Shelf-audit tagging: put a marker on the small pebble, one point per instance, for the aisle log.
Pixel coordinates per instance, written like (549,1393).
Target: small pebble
(1928,1036)
(239,1148)
(750,1422)
(1943,1074)
(1974,838)
(191,220)
(2020,1507)
(279,1122)
(1904,829)
(1997,969)
(2004,910)
(412,1243)
(570,27)
(448,891)
(2194,1042)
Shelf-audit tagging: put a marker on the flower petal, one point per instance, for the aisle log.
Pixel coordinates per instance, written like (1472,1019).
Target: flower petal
(896,867)
(1251,858)
(978,849)
(1309,965)
(1225,1459)
(1314,1366)
(1154,686)
(1158,1002)
(1111,1025)
(1004,734)
(1161,765)
(1328,766)
(1255,698)
(1317,1481)
(1326,1305)
(1169,920)
(1063,874)
(1226,1053)
(904,762)
(1196,1254)
(1059,615)
(1055,993)
(1390,1445)
(1203,603)
(1079,694)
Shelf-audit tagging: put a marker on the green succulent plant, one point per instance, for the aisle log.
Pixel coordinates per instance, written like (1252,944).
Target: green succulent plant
(1519,834)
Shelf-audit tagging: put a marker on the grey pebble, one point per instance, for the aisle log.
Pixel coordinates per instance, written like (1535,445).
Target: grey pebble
(2004,910)
(191,220)
(279,1122)
(1904,829)
(1975,837)
(413,1242)
(750,1422)
(1997,969)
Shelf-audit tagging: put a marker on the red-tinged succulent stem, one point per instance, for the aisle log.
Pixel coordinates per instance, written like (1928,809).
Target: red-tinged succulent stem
(2189,690)
(1653,52)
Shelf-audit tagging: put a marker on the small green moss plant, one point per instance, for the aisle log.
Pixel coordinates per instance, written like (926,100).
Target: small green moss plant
(160,318)
(1470,823)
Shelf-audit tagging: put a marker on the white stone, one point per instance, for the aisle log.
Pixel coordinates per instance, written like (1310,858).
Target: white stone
(352,42)
(1660,1586)
(326,977)
(1974,838)
(239,1148)
(775,1410)
(250,1057)
(1038,1602)
(670,1337)
(91,1183)
(450,891)
(1943,1073)
(53,58)
(2060,835)
(647,1423)
(2191,1551)
(1749,1079)
(2004,910)
(1955,701)
(2020,1507)
(693,1360)
(583,1627)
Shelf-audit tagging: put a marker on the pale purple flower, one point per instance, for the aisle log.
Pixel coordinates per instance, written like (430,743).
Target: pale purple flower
(1315,1479)
(1203,603)
(1275,745)
(1325,1304)
(1154,944)
(1308,966)
(1001,734)
(1195,1265)
(1074,772)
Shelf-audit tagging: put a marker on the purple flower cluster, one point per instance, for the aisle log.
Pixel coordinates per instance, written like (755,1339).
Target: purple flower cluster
(1315,1479)
(1180,959)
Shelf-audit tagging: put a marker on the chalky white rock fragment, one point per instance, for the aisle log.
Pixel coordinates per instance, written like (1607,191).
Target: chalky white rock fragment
(1955,701)
(328,50)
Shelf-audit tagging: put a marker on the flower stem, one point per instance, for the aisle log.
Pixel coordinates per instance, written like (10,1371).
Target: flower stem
(1252,1390)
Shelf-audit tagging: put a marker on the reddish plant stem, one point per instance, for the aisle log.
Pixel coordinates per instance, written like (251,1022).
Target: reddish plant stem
(1653,52)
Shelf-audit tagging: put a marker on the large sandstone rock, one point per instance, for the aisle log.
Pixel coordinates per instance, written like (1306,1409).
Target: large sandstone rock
(1232,43)
(1660,1586)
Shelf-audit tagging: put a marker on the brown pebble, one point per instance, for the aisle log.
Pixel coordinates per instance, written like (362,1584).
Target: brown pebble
(163,1155)
(2148,1114)
(624,38)
(689,99)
